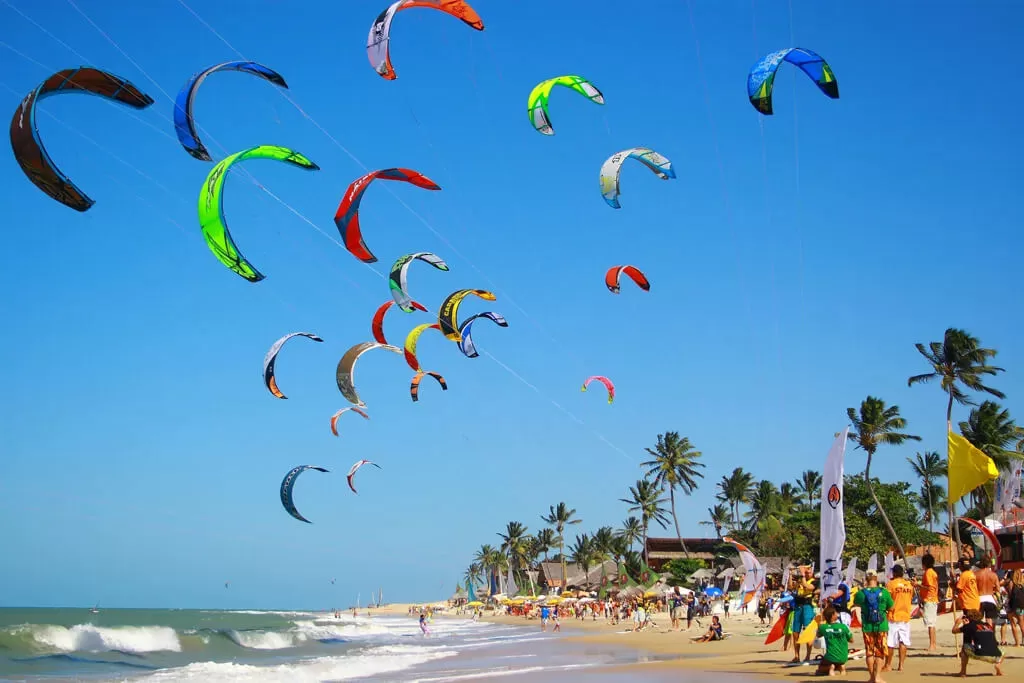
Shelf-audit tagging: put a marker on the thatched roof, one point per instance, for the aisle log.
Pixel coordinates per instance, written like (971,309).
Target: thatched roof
(552,573)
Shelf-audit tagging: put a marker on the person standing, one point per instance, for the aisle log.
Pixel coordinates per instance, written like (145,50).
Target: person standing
(1015,605)
(988,588)
(544,614)
(874,603)
(803,610)
(929,587)
(967,588)
(840,602)
(675,603)
(902,592)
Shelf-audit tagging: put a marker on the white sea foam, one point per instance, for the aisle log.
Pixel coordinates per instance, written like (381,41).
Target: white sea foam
(369,662)
(89,638)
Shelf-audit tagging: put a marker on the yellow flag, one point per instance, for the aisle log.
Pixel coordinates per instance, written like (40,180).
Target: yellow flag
(969,468)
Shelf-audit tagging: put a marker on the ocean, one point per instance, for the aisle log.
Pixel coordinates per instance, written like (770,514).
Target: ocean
(165,646)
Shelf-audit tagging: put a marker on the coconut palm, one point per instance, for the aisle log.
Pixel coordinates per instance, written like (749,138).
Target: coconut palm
(632,531)
(874,426)
(929,468)
(764,503)
(718,517)
(604,540)
(646,499)
(991,429)
(474,573)
(674,466)
(561,516)
(516,544)
(735,490)
(958,359)
(810,488)
(491,561)
(582,553)
(544,541)
(932,498)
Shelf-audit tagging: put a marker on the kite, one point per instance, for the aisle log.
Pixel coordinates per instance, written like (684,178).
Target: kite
(347,216)
(289,483)
(377,326)
(347,368)
(334,418)
(611,169)
(355,468)
(447,317)
(271,359)
(537,104)
(211,209)
(761,79)
(611,278)
(378,43)
(211,206)
(414,387)
(412,340)
(399,280)
(466,344)
(29,151)
(607,385)
(184,123)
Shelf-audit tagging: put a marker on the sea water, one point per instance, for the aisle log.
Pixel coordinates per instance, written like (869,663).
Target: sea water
(166,646)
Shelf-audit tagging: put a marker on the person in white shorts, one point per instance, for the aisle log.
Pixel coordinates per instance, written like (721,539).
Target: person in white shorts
(929,591)
(902,592)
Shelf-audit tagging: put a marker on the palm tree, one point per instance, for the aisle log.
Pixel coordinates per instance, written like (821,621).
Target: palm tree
(474,573)
(544,541)
(991,429)
(632,531)
(957,359)
(735,490)
(875,425)
(929,467)
(932,497)
(604,539)
(560,516)
(718,517)
(810,488)
(491,561)
(763,504)
(516,543)
(582,553)
(674,467)
(789,497)
(646,499)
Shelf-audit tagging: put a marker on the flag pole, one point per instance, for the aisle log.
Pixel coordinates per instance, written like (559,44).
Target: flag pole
(953,531)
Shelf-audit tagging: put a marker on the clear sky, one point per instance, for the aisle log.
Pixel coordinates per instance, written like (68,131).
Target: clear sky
(794,263)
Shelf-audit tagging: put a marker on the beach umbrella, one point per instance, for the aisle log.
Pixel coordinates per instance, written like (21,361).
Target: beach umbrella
(713,592)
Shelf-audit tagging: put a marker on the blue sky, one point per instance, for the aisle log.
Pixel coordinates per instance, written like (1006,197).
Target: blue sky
(794,263)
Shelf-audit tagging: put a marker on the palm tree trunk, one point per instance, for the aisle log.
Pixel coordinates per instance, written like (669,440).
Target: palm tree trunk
(675,521)
(645,541)
(561,557)
(931,515)
(881,510)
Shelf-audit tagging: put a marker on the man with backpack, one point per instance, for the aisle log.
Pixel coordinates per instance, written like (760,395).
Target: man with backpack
(874,603)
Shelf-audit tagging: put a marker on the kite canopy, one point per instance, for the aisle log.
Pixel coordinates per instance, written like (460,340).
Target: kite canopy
(29,151)
(448,316)
(377,324)
(466,344)
(611,169)
(412,340)
(289,483)
(611,278)
(378,44)
(537,104)
(398,279)
(603,380)
(211,206)
(761,79)
(184,123)
(334,418)
(347,216)
(414,387)
(345,374)
(270,360)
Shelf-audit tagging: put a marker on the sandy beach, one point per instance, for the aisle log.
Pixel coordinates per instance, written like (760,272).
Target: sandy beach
(744,652)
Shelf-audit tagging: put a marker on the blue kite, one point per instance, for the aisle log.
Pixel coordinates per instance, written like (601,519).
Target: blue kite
(761,79)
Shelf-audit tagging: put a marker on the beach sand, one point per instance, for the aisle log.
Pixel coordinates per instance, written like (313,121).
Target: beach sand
(745,653)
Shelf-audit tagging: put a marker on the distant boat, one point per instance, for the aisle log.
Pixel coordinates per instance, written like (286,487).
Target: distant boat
(96,609)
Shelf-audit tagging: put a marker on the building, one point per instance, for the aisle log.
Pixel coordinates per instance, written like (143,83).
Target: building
(551,575)
(661,550)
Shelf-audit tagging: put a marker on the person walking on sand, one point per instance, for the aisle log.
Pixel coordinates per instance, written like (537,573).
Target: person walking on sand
(979,642)
(544,614)
(1015,605)
(874,603)
(902,592)
(929,591)
(837,637)
(554,618)
(988,588)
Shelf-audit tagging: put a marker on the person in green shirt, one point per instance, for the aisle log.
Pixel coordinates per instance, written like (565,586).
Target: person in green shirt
(837,643)
(874,603)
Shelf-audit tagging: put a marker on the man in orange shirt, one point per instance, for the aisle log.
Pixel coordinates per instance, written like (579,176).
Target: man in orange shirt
(988,588)
(902,592)
(967,588)
(929,586)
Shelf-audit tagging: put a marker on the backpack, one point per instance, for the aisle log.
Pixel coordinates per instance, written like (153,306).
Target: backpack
(872,615)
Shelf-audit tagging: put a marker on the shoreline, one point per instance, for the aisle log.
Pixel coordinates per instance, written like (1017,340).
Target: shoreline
(745,653)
